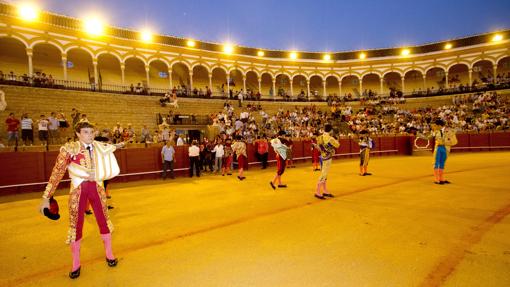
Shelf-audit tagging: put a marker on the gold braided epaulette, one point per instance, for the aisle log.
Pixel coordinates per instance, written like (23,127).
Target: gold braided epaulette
(72,148)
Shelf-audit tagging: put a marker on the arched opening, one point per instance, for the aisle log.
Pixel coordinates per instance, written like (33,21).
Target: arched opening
(316,88)
(283,87)
(458,76)
(47,61)
(483,72)
(200,80)
(267,85)
(135,76)
(252,84)
(392,82)
(332,88)
(413,82)
(503,70)
(236,81)
(219,82)
(370,83)
(180,78)
(300,88)
(350,87)
(13,57)
(79,66)
(158,77)
(108,69)
(434,80)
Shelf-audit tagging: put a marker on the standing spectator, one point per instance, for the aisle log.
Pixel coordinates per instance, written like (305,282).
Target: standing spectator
(219,152)
(262,147)
(12,129)
(194,153)
(146,135)
(180,141)
(27,126)
(42,127)
(53,129)
(167,155)
(75,116)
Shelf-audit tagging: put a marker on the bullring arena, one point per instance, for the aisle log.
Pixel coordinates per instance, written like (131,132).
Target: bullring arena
(393,228)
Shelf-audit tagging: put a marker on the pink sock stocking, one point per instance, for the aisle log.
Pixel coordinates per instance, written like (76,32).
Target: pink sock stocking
(107,240)
(75,252)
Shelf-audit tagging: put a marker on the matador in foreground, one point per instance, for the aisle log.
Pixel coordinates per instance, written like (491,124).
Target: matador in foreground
(89,163)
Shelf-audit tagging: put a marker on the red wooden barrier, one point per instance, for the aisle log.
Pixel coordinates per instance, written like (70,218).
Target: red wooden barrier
(34,168)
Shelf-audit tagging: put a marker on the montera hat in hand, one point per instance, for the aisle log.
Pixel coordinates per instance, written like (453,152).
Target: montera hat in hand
(52,211)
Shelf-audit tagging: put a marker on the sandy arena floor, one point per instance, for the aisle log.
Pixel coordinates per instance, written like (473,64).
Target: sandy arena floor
(395,228)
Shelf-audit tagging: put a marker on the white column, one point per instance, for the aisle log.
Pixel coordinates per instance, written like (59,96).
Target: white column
(244,84)
(324,89)
(30,65)
(403,84)
(260,85)
(147,75)
(274,88)
(94,63)
(64,66)
(190,81)
(123,73)
(170,82)
(291,89)
(210,81)
(360,87)
(228,85)
(446,80)
(381,88)
(308,89)
(425,83)
(470,77)
(495,69)
(340,88)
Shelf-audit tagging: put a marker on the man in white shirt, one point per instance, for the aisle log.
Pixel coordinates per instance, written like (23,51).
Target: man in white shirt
(180,141)
(167,155)
(42,126)
(194,153)
(219,152)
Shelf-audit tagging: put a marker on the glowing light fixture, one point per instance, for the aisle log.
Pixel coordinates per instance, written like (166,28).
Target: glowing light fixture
(260,53)
(94,26)
(362,55)
(405,52)
(191,43)
(228,48)
(28,12)
(497,38)
(293,55)
(448,46)
(326,57)
(146,36)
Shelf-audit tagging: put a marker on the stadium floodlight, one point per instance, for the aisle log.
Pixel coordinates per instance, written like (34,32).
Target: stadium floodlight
(191,43)
(28,12)
(448,46)
(293,55)
(326,57)
(228,49)
(405,52)
(497,38)
(362,56)
(93,26)
(260,53)
(146,36)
